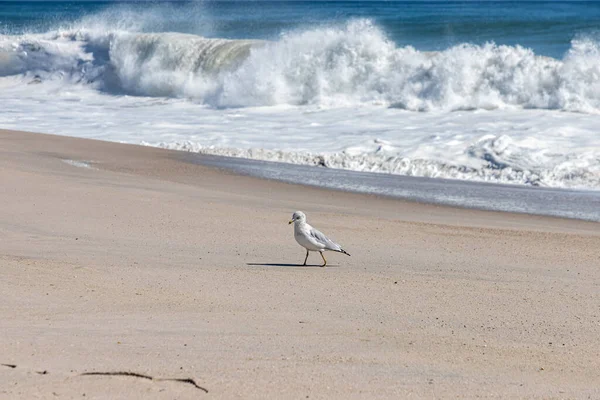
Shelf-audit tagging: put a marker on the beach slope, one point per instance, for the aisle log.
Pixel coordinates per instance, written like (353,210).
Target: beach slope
(118,258)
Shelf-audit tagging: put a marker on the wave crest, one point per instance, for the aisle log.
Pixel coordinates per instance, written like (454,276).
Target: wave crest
(174,64)
(334,66)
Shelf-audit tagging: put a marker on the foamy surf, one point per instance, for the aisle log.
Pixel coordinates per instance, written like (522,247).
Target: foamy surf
(492,159)
(340,96)
(348,65)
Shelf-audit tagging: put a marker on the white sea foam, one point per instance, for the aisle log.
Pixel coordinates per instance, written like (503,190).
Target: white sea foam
(331,66)
(341,96)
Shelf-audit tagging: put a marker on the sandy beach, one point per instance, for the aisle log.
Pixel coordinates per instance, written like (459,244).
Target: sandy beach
(120,258)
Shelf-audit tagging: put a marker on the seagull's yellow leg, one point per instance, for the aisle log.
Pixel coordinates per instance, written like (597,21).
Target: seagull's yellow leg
(324,260)
(305,258)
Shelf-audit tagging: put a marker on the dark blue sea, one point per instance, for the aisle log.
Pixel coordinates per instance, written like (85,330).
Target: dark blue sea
(547,27)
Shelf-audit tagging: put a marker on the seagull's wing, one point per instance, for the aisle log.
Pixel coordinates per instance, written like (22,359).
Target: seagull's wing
(324,240)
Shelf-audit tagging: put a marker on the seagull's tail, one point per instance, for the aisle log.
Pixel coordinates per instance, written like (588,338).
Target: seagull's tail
(345,252)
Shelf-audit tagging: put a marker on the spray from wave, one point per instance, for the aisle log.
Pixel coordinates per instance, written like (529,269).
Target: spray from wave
(328,66)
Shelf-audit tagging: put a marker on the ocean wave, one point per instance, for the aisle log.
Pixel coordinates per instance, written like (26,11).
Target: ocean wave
(490,159)
(335,66)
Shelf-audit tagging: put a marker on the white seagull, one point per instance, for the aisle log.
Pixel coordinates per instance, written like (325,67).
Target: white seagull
(311,239)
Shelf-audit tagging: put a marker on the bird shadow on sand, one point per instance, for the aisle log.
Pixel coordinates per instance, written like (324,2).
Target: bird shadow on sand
(289,265)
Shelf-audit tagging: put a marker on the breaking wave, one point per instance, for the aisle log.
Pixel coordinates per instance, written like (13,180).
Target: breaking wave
(349,64)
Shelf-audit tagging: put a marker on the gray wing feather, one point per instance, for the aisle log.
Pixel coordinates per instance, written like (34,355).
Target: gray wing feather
(324,240)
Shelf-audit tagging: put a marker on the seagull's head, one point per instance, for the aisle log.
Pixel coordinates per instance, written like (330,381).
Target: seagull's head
(298,216)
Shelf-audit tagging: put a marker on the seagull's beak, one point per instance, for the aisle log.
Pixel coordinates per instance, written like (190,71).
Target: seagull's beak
(290,221)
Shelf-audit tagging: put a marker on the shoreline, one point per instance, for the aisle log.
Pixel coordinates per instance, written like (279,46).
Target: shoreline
(457,194)
(129,258)
(471,195)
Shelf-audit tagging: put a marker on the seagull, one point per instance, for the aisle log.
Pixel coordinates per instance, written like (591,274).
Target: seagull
(312,239)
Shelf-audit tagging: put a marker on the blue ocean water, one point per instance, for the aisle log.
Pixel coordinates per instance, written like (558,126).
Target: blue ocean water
(547,27)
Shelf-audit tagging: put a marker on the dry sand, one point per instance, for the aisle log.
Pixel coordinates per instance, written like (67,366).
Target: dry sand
(143,263)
